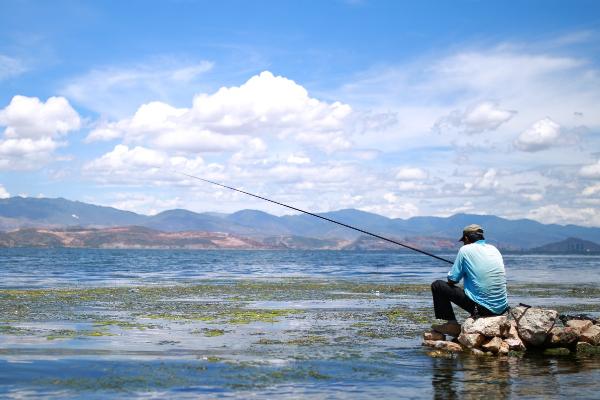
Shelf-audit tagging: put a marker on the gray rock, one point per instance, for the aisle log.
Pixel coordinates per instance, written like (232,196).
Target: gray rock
(487,326)
(534,324)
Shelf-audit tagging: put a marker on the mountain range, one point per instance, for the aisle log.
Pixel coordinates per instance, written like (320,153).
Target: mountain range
(438,232)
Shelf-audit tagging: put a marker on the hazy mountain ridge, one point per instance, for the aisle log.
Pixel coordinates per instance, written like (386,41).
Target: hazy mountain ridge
(439,232)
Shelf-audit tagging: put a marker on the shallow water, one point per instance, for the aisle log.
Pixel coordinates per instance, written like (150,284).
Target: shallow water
(239,324)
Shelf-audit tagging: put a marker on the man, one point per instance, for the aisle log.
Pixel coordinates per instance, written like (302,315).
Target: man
(484,293)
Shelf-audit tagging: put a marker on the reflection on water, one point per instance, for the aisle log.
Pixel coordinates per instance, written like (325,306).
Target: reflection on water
(531,375)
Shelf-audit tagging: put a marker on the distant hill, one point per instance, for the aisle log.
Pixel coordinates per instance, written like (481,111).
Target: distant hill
(437,232)
(132,237)
(569,246)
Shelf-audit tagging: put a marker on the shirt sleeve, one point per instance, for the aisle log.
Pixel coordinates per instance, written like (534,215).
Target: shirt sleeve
(456,273)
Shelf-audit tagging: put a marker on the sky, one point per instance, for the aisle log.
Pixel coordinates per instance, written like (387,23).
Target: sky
(398,108)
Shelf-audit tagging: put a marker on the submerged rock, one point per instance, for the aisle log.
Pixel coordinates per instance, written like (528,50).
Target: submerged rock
(557,351)
(534,324)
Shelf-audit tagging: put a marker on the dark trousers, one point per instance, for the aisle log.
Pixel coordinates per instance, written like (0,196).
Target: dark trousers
(444,294)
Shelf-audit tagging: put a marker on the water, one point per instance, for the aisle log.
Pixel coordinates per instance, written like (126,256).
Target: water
(271,324)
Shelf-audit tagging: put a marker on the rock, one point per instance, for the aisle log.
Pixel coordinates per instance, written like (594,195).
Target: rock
(504,348)
(579,324)
(591,335)
(534,324)
(477,352)
(471,340)
(515,344)
(448,346)
(433,335)
(487,326)
(584,347)
(560,336)
(557,351)
(443,345)
(492,345)
(512,332)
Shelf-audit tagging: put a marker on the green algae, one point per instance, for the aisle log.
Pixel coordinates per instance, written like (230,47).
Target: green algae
(213,332)
(309,340)
(73,334)
(125,324)
(256,315)
(15,331)
(396,313)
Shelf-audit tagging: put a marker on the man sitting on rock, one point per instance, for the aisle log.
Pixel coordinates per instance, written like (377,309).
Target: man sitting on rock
(484,293)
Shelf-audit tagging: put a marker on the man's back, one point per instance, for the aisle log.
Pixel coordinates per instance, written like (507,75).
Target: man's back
(482,268)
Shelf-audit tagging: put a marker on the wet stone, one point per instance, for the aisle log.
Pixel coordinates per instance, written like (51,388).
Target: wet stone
(557,351)
(433,335)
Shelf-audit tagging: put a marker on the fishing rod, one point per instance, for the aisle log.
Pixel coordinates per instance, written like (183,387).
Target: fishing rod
(321,217)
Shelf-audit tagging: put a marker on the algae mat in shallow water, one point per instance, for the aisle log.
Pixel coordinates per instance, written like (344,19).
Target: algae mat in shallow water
(285,338)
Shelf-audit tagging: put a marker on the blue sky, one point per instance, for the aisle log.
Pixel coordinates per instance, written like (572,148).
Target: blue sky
(431,108)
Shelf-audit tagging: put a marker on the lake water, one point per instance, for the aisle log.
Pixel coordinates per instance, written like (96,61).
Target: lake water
(270,324)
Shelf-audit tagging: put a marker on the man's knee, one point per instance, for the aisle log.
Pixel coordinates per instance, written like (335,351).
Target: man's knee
(437,285)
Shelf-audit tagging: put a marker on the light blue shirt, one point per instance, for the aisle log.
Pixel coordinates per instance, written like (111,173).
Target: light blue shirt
(482,267)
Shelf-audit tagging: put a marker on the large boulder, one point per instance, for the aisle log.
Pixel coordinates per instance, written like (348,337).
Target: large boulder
(487,326)
(534,324)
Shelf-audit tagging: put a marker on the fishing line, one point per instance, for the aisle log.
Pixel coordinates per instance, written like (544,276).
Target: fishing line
(321,217)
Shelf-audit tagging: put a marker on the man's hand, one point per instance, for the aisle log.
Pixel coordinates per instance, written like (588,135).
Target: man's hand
(451,282)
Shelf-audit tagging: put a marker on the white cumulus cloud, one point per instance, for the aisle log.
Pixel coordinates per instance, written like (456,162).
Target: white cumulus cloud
(33,129)
(482,117)
(3,192)
(411,174)
(28,117)
(590,171)
(541,135)
(264,106)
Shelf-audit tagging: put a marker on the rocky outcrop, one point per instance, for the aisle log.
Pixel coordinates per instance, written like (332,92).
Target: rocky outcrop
(523,328)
